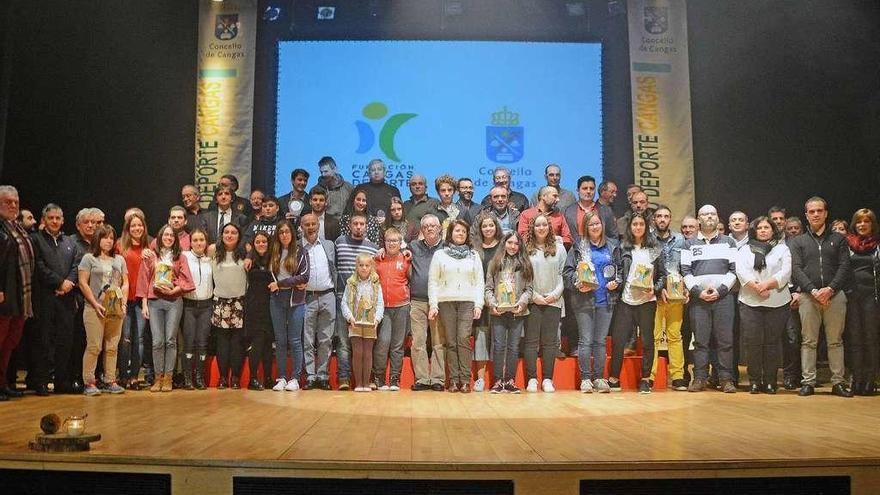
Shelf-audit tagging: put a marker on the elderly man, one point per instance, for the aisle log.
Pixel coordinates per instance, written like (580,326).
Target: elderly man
(638,202)
(320,310)
(500,208)
(379,192)
(56,279)
(419,203)
(547,201)
(16,276)
(707,263)
(553,176)
(607,193)
(501,178)
(338,190)
(428,375)
(189,195)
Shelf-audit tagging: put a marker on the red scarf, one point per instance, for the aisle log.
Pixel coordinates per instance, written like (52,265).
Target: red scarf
(861,244)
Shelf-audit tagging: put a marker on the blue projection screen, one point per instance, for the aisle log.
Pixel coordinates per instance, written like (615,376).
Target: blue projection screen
(437,107)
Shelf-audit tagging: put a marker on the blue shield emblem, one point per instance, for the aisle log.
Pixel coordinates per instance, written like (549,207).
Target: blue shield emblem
(656,20)
(504,144)
(226,27)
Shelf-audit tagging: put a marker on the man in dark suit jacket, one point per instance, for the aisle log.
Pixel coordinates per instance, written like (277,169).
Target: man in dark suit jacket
(574,214)
(213,220)
(328,226)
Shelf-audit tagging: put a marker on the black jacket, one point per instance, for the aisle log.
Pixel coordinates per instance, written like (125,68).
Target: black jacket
(820,261)
(56,262)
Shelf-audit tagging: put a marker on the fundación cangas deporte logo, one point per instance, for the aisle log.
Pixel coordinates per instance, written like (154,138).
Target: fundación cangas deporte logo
(376,111)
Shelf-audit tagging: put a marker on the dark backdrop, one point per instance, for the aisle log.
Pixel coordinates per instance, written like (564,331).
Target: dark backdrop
(97,98)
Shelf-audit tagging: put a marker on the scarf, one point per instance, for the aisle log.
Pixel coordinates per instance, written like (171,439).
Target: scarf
(458,252)
(25,265)
(861,245)
(760,250)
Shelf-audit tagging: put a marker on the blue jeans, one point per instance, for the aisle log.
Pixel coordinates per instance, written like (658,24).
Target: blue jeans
(287,323)
(593,323)
(343,345)
(164,323)
(131,347)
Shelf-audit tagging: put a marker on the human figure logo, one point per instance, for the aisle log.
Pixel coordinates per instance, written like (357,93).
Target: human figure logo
(377,111)
(504,138)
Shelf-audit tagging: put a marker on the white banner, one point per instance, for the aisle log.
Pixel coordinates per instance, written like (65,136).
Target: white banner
(661,103)
(225,101)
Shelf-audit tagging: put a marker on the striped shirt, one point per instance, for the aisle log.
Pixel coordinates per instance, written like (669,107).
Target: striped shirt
(347,250)
(709,263)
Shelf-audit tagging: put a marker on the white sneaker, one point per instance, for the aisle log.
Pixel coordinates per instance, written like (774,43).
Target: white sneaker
(602,386)
(394,387)
(479,385)
(533,385)
(292,386)
(547,386)
(384,388)
(280,384)
(586,387)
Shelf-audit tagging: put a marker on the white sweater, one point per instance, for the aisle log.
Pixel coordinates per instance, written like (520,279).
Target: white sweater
(548,273)
(450,279)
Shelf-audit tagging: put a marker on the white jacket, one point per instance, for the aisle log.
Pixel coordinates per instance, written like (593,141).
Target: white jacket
(451,279)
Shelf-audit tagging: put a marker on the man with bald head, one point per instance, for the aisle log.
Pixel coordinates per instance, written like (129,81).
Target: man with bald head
(320,308)
(553,175)
(707,263)
(547,201)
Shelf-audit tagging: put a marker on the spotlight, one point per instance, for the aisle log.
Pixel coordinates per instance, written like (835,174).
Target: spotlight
(326,13)
(272,13)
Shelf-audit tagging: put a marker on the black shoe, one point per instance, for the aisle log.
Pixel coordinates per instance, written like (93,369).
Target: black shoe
(77,387)
(3,397)
(325,384)
(236,383)
(870,389)
(680,385)
(807,390)
(858,388)
(42,390)
(255,384)
(222,385)
(790,383)
(438,387)
(712,383)
(840,390)
(754,388)
(419,387)
(268,383)
(310,384)
(769,388)
(12,393)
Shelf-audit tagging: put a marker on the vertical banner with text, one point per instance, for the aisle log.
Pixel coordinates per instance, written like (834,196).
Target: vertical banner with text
(661,103)
(225,102)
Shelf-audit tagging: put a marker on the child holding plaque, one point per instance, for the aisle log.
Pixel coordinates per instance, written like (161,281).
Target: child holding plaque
(592,303)
(362,308)
(508,293)
(643,276)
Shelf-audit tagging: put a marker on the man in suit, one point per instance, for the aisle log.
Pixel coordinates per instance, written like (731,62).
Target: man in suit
(212,221)
(328,226)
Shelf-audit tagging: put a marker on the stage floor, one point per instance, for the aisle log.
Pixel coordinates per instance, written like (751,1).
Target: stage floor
(445,432)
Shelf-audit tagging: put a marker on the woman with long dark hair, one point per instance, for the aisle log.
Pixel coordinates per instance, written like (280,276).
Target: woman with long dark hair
(862,307)
(358,203)
(162,282)
(763,267)
(289,268)
(547,256)
(258,333)
(455,293)
(642,274)
(227,317)
(197,308)
(508,292)
(593,298)
(396,218)
(486,236)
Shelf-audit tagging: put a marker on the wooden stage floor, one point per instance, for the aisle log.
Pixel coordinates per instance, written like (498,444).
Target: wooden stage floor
(400,434)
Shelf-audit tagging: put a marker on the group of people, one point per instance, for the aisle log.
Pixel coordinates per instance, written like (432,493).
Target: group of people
(355,269)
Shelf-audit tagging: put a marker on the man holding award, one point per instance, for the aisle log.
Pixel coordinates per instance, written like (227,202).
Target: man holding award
(670,306)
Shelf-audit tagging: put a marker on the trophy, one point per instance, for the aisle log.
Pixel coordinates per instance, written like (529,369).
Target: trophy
(586,274)
(163,276)
(643,276)
(295,207)
(365,312)
(505,291)
(675,289)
